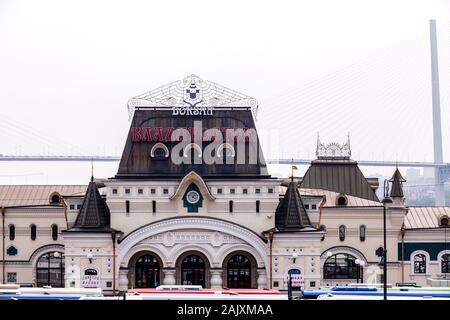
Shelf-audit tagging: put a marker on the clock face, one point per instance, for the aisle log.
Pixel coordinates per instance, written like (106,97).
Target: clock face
(192,197)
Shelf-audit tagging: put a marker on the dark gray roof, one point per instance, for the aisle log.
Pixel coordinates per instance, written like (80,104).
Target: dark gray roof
(291,213)
(136,162)
(397,184)
(342,176)
(94,214)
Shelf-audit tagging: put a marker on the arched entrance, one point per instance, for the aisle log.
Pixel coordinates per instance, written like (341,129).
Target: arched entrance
(145,270)
(341,266)
(50,270)
(193,269)
(240,270)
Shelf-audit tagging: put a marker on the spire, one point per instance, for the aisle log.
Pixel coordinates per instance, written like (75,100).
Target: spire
(94,212)
(397,184)
(291,213)
(92,170)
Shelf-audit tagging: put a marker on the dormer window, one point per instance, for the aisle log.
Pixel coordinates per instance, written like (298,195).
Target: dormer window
(159,151)
(341,200)
(443,221)
(55,198)
(194,153)
(226,151)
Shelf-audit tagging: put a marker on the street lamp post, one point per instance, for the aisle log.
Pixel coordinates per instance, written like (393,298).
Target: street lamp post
(385,201)
(357,261)
(361,272)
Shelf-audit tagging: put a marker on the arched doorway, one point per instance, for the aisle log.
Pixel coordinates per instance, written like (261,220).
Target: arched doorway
(239,272)
(341,266)
(144,270)
(147,272)
(50,270)
(193,269)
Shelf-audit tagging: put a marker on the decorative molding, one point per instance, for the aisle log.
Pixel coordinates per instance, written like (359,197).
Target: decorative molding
(45,249)
(157,146)
(192,93)
(343,249)
(333,150)
(192,177)
(195,223)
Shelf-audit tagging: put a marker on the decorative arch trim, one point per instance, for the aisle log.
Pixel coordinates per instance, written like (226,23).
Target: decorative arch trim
(157,146)
(144,249)
(187,180)
(427,261)
(225,146)
(204,223)
(343,249)
(225,252)
(192,146)
(45,249)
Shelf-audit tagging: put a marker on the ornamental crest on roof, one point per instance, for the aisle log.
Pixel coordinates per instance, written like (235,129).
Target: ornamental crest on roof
(192,96)
(333,150)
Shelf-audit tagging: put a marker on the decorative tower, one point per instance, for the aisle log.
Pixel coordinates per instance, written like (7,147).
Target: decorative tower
(396,193)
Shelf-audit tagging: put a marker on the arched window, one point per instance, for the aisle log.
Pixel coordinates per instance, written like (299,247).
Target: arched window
(194,152)
(341,200)
(340,266)
(193,270)
(12,232)
(127,206)
(55,199)
(362,232)
(33,232)
(54,232)
(226,152)
(147,272)
(342,232)
(159,151)
(420,263)
(445,263)
(239,270)
(50,270)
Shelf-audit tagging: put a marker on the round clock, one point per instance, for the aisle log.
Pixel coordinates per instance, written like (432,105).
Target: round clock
(193,197)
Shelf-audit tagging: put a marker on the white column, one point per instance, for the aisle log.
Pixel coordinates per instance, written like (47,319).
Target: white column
(262,278)
(169,276)
(216,278)
(123,279)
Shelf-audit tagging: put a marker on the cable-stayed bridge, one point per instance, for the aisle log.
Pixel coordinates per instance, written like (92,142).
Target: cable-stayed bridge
(323,93)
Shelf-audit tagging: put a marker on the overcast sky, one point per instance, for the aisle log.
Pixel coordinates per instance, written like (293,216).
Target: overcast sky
(68,68)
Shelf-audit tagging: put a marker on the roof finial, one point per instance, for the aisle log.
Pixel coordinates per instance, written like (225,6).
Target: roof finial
(92,169)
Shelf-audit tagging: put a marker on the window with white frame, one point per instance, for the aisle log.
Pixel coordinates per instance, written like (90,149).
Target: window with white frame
(420,263)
